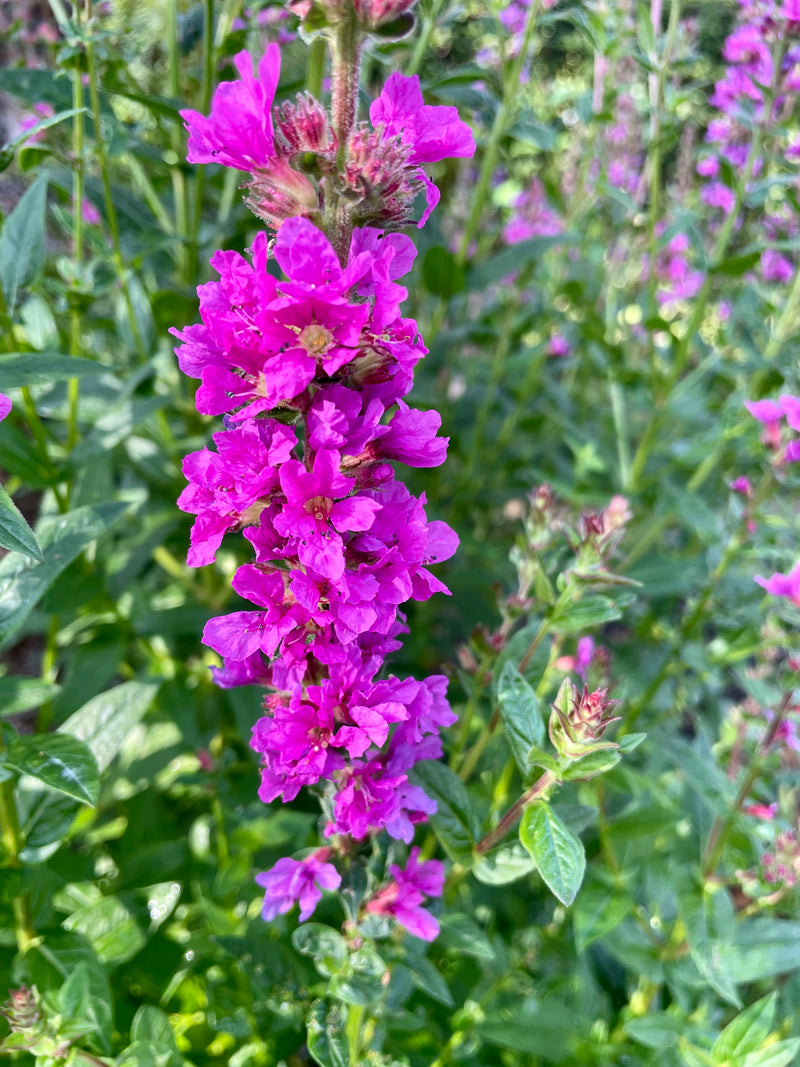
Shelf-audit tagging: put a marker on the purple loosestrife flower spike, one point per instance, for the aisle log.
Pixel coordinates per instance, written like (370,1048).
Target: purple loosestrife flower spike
(309,359)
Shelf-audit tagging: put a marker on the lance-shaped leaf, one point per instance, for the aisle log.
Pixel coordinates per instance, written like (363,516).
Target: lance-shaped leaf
(15,534)
(519,711)
(559,854)
(63,763)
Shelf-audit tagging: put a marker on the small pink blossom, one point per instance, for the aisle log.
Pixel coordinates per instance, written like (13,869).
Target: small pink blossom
(292,881)
(783,585)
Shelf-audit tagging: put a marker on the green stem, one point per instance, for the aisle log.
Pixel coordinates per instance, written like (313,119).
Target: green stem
(617,395)
(12,846)
(499,127)
(721,827)
(654,162)
(539,789)
(209,57)
(182,224)
(355,1019)
(346,41)
(424,38)
(108,200)
(73,388)
(315,67)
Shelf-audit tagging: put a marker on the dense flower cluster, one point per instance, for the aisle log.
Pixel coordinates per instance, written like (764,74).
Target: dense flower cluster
(759,86)
(382,173)
(310,370)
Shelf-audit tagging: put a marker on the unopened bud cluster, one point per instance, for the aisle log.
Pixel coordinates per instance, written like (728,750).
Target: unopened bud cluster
(579,720)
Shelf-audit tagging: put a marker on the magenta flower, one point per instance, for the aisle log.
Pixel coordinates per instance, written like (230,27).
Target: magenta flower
(404,896)
(319,509)
(741,485)
(5,406)
(292,881)
(238,132)
(783,585)
(766,411)
(429,133)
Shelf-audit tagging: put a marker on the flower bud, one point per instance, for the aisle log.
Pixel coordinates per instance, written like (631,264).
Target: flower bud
(21,1010)
(375,13)
(578,720)
(278,192)
(302,125)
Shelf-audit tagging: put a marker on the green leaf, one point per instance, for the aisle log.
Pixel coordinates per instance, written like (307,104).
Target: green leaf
(21,456)
(778,1055)
(523,726)
(515,650)
(362,990)
(107,719)
(15,534)
(327,1040)
(323,944)
(657,1030)
(599,910)
(463,934)
(558,853)
(455,822)
(73,997)
(546,1027)
(592,764)
(505,864)
(761,948)
(588,613)
(62,763)
(49,965)
(514,259)
(747,1031)
(109,928)
(22,242)
(536,757)
(62,538)
(629,742)
(19,369)
(441,273)
(151,1025)
(428,979)
(735,266)
(44,124)
(23,694)
(710,926)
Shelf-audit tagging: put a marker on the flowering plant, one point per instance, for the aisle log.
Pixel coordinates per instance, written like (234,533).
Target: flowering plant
(506,310)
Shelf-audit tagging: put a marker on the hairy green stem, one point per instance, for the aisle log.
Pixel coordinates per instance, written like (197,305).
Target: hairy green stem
(346,41)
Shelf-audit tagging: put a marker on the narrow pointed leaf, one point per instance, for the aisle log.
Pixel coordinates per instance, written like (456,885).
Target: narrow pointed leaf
(15,534)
